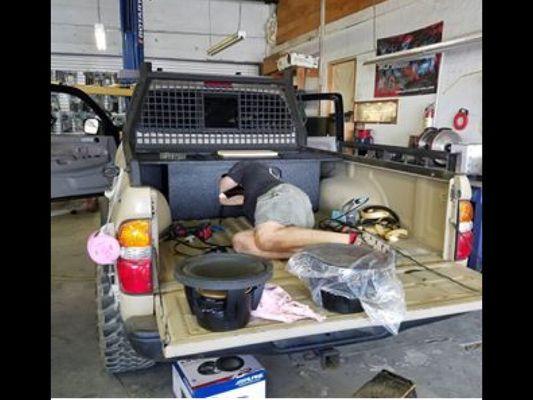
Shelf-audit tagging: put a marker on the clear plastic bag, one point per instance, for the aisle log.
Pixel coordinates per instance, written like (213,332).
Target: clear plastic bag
(353,272)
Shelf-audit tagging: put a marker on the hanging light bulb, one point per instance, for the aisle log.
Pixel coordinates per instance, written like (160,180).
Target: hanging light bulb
(99,31)
(99,35)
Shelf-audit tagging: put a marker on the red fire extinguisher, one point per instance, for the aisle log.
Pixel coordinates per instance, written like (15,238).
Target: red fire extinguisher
(429,116)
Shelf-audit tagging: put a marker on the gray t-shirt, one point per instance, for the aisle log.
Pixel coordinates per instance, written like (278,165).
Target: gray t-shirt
(256,179)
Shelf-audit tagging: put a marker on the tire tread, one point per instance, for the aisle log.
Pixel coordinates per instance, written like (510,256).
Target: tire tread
(116,351)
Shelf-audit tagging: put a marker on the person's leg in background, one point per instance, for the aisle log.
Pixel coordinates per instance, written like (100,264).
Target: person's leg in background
(274,240)
(273,236)
(244,242)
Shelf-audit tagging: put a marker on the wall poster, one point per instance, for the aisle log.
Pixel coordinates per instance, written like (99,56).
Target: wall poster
(404,78)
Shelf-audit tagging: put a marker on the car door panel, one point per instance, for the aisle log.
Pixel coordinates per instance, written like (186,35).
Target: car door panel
(78,162)
(78,159)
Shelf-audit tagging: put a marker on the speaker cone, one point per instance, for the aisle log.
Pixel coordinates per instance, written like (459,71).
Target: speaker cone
(230,363)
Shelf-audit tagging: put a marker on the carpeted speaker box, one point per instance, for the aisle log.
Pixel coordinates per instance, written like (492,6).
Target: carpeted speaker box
(223,289)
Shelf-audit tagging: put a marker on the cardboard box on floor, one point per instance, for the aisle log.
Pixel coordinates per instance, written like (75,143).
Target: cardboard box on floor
(248,381)
(387,385)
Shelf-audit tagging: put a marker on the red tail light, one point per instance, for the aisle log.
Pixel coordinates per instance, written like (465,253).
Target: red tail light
(465,236)
(465,243)
(135,276)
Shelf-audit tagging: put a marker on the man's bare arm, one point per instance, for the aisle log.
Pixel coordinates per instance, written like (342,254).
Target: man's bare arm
(226,183)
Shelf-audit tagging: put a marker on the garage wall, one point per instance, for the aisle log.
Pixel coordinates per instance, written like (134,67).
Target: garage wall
(174,30)
(460,73)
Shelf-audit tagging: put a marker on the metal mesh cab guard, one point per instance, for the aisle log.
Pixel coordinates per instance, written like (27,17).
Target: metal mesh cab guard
(172,112)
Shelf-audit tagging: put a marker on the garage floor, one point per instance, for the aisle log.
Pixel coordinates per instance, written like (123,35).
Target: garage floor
(443,359)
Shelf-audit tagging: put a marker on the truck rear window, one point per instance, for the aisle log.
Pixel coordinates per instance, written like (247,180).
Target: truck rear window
(221,111)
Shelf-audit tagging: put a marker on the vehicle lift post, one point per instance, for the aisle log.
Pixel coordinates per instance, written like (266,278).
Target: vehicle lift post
(132,30)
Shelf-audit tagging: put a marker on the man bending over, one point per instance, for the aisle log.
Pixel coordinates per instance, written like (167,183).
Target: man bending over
(281,213)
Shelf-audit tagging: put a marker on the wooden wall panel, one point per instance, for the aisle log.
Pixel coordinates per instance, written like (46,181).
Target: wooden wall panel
(270,64)
(296,17)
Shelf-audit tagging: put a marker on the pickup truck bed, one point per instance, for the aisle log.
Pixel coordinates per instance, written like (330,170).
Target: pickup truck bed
(428,295)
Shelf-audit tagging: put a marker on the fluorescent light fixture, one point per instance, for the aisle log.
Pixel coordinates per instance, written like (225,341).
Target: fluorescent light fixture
(424,51)
(99,35)
(226,42)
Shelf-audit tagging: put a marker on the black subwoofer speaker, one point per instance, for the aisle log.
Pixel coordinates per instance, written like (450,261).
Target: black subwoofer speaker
(223,289)
(340,304)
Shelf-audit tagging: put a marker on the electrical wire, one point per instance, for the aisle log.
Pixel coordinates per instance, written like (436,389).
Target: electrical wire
(98,10)
(184,243)
(479,71)
(209,17)
(214,244)
(204,250)
(374,40)
(337,218)
(207,248)
(181,243)
(426,267)
(240,13)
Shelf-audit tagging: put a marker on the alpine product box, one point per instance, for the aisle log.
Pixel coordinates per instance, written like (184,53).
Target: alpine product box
(224,377)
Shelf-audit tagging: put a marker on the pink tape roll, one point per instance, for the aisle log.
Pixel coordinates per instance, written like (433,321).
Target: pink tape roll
(102,248)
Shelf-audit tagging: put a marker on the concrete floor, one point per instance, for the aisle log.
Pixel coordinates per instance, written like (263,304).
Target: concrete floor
(443,359)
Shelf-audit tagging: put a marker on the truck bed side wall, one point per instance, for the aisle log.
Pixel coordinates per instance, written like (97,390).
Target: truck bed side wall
(419,201)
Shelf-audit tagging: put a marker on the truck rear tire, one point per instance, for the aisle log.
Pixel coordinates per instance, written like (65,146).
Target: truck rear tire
(116,351)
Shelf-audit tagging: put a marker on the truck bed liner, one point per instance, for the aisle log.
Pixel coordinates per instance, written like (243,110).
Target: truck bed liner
(427,295)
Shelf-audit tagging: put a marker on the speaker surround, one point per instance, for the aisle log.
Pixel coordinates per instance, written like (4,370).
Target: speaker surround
(207,368)
(223,289)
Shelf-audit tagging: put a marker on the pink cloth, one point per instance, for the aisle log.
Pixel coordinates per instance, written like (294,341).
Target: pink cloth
(276,304)
(103,248)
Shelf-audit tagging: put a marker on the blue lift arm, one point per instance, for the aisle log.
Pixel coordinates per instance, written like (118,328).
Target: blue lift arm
(132,26)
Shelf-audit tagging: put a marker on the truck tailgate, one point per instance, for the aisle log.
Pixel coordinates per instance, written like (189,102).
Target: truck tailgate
(427,295)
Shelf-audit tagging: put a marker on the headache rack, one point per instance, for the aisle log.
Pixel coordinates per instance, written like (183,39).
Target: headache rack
(185,113)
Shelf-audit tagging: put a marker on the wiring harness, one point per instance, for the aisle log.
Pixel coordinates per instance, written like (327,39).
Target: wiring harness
(187,235)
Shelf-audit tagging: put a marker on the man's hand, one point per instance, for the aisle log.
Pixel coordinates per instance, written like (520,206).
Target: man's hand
(226,183)
(232,201)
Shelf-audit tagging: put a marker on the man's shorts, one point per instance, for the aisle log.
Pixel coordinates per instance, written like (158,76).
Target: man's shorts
(285,204)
